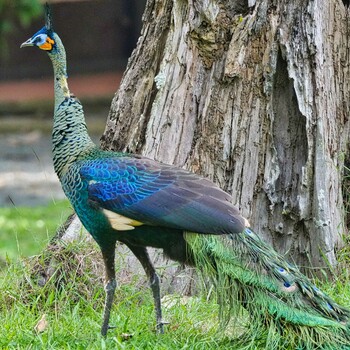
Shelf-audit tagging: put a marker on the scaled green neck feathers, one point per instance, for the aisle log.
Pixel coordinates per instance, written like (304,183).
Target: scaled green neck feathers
(70,137)
(59,64)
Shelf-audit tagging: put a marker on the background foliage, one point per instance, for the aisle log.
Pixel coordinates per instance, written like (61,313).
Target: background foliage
(15,14)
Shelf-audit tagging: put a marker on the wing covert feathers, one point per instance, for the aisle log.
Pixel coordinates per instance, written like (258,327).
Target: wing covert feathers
(159,195)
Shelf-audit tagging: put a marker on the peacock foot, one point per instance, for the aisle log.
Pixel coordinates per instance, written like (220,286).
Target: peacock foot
(160,326)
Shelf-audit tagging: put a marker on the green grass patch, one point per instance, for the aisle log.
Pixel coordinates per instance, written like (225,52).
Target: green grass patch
(26,230)
(65,283)
(72,295)
(72,301)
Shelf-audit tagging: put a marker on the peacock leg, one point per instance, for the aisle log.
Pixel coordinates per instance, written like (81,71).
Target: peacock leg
(142,255)
(110,286)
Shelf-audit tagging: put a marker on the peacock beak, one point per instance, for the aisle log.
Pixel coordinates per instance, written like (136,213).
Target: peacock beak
(29,42)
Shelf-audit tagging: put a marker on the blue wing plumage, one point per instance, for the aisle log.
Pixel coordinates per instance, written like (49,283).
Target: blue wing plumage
(159,195)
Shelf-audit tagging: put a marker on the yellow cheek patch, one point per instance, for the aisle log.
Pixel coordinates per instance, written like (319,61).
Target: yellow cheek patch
(120,222)
(47,44)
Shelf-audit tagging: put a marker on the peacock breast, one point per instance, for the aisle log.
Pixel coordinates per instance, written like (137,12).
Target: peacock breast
(76,190)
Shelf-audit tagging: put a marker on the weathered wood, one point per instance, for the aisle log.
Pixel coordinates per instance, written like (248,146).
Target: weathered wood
(255,96)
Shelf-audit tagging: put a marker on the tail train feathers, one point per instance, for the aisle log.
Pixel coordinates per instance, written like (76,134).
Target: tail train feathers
(281,302)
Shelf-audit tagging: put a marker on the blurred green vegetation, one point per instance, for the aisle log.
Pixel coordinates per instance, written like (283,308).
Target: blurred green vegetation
(26,230)
(14,14)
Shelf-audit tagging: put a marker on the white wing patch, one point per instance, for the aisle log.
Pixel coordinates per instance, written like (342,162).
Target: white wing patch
(120,222)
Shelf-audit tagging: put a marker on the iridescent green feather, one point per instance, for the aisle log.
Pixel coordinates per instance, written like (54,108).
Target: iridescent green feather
(278,319)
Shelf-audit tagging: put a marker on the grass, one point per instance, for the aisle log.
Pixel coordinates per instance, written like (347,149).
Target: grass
(74,311)
(72,299)
(26,230)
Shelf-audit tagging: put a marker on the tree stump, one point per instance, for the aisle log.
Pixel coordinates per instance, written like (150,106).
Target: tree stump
(254,95)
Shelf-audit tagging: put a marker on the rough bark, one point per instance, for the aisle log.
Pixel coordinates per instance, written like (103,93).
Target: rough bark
(254,95)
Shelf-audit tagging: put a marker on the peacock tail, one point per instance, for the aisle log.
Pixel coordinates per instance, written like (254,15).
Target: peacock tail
(285,310)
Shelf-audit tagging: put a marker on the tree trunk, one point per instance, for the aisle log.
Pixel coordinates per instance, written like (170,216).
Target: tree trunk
(254,95)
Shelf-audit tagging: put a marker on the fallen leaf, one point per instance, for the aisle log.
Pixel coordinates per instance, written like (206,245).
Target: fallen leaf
(126,336)
(42,324)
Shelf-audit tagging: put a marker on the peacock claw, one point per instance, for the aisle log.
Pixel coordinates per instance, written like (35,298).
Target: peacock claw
(160,326)
(112,327)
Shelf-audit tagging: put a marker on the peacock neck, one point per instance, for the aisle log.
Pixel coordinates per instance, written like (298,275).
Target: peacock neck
(70,139)
(59,63)
(70,136)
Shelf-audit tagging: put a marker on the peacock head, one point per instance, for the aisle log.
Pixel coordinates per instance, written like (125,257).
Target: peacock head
(45,39)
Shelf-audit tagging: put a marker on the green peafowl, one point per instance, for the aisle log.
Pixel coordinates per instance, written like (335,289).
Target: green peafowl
(143,203)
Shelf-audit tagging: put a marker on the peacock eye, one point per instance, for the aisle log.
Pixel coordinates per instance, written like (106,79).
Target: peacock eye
(40,39)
